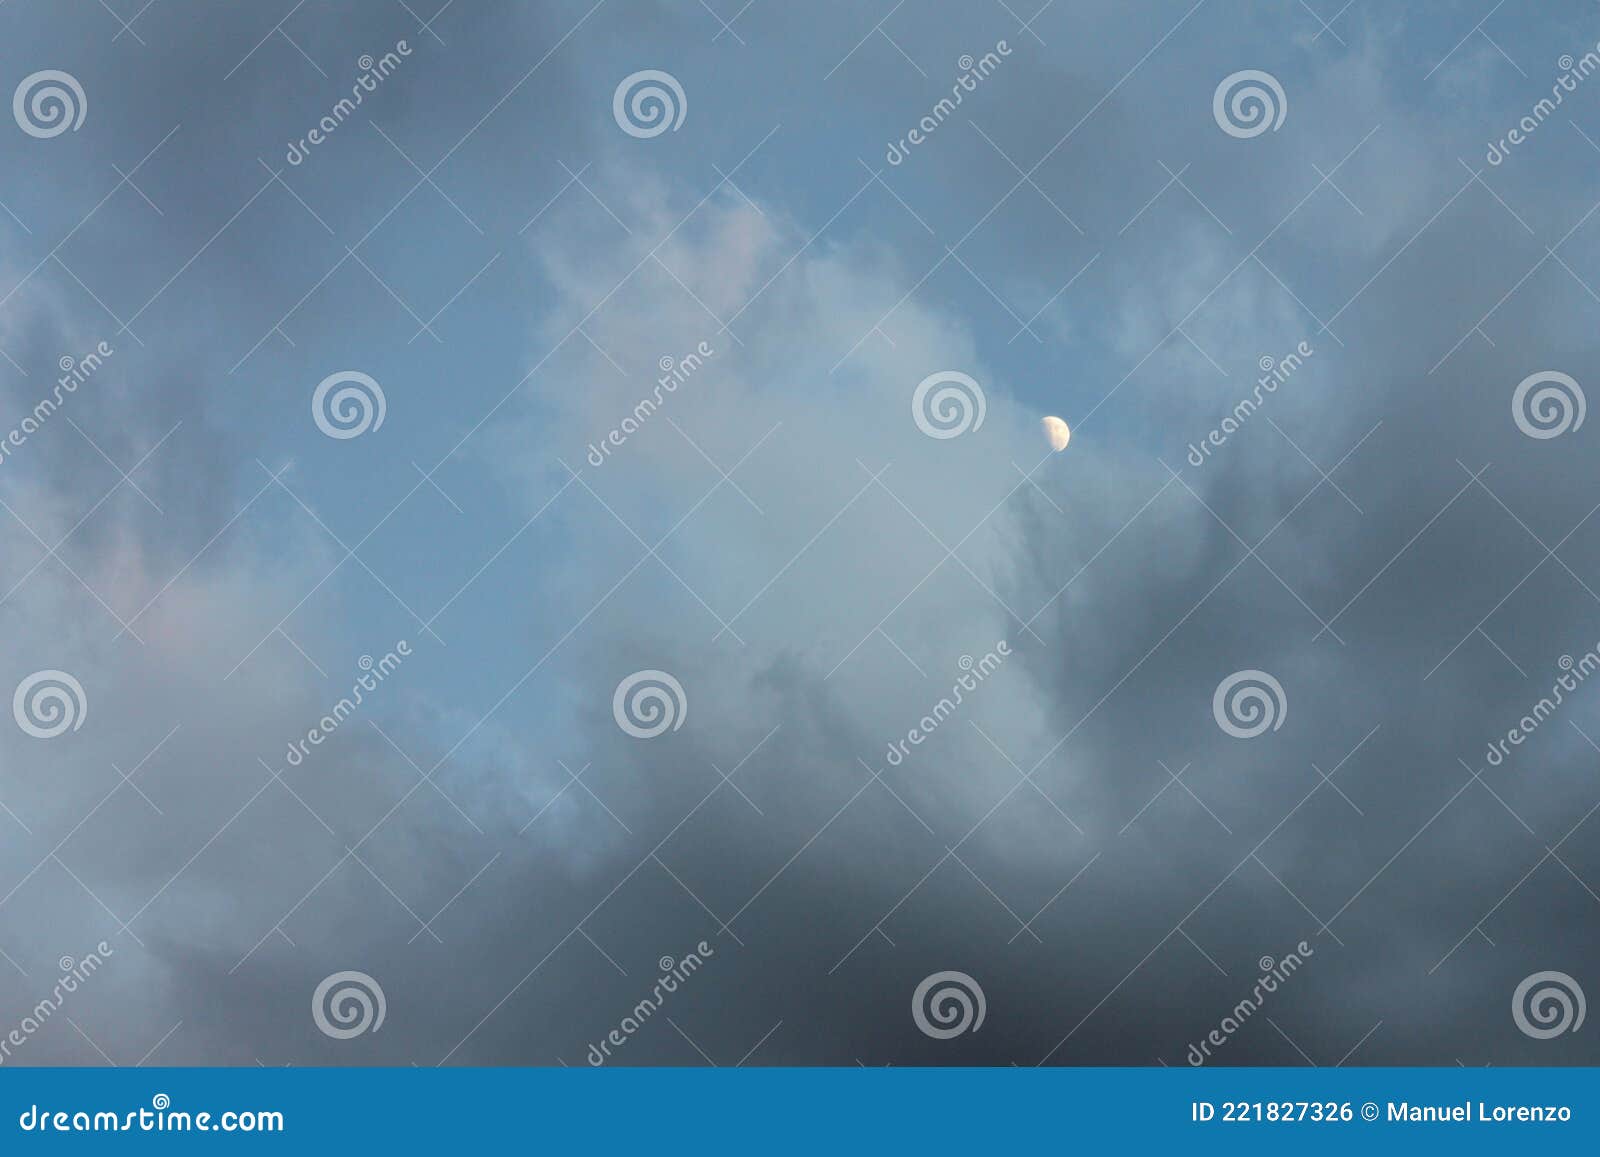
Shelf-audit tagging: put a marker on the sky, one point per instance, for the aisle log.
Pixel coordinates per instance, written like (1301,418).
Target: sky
(504,398)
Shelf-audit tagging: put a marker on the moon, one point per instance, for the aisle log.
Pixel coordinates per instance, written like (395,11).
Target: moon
(1056,431)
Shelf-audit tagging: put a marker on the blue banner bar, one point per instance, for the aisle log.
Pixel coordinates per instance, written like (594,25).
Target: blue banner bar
(877,1111)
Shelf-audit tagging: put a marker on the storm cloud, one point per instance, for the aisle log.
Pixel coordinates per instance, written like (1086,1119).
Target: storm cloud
(649,404)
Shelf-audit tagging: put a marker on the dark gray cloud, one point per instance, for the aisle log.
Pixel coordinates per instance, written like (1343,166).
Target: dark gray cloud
(1079,835)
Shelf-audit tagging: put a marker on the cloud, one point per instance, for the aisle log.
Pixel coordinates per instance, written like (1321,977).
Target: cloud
(775,531)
